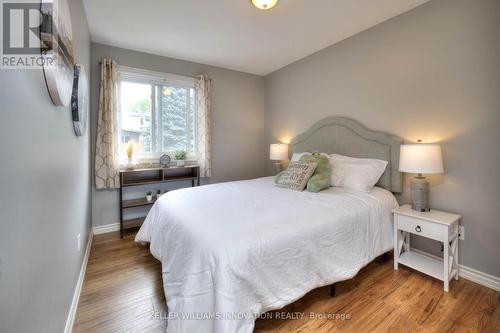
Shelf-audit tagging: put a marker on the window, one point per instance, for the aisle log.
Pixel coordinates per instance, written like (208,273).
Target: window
(157,113)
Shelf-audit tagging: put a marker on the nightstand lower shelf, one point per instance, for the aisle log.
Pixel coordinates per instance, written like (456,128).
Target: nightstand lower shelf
(423,263)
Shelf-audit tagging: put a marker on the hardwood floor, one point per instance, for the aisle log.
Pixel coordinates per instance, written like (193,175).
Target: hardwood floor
(123,290)
(122,286)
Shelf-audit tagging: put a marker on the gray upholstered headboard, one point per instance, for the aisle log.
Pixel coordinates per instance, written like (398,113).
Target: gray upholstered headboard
(345,136)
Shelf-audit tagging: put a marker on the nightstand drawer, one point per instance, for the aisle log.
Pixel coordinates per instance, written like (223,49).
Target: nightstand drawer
(421,227)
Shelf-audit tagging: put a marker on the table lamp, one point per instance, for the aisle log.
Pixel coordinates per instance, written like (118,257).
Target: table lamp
(420,158)
(278,152)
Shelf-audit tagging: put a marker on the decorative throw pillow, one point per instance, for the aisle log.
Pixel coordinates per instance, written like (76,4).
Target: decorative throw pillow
(296,175)
(320,180)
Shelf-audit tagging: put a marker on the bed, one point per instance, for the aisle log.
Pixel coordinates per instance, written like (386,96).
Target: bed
(233,251)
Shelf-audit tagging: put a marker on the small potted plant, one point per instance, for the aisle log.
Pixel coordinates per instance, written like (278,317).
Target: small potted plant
(149,196)
(158,194)
(180,156)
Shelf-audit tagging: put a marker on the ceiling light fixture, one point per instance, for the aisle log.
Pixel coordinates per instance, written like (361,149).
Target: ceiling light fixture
(264,4)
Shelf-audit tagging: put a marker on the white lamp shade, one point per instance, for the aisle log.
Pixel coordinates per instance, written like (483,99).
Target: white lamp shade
(278,152)
(421,158)
(264,4)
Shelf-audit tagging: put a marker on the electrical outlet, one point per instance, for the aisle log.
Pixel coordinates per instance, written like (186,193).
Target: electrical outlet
(78,242)
(461,232)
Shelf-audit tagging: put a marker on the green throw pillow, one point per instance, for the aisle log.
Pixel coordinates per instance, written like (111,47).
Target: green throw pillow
(320,180)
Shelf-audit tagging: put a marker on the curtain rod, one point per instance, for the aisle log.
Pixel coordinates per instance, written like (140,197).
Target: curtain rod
(153,71)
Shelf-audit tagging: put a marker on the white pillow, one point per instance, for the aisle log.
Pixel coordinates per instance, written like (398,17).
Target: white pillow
(297,156)
(359,174)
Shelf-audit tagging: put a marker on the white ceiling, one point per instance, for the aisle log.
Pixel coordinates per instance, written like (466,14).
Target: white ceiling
(232,33)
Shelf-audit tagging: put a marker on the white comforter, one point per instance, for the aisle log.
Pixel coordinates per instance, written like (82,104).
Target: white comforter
(234,250)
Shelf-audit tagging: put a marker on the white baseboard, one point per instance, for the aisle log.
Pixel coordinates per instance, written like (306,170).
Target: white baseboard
(104,229)
(471,274)
(479,277)
(76,296)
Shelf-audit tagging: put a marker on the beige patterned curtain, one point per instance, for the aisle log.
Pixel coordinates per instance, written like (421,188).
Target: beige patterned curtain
(106,150)
(204,125)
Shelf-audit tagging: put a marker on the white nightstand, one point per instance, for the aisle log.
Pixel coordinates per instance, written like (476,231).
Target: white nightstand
(436,225)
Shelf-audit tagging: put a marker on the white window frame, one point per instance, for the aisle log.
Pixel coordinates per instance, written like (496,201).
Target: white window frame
(155,79)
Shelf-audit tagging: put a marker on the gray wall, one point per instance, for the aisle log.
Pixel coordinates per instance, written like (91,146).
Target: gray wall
(430,73)
(238,149)
(44,198)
